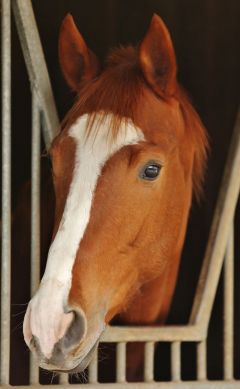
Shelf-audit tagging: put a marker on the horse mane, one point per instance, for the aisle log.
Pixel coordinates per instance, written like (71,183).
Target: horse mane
(199,137)
(122,80)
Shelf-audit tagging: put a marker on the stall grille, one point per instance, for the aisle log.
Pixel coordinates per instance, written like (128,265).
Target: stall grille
(219,252)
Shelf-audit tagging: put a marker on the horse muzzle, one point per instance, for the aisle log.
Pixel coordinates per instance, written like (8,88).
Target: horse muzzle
(72,351)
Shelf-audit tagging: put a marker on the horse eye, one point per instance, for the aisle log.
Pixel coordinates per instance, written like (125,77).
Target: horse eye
(150,171)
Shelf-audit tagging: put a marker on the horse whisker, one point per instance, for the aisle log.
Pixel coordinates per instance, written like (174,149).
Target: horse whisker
(17,314)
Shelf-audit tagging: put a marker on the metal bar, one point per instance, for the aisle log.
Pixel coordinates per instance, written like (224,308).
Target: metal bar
(153,334)
(219,233)
(93,369)
(35,215)
(144,385)
(35,195)
(121,362)
(6,191)
(36,65)
(176,361)
(63,379)
(228,307)
(201,361)
(149,362)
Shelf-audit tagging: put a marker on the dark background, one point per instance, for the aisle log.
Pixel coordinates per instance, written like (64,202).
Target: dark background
(206,36)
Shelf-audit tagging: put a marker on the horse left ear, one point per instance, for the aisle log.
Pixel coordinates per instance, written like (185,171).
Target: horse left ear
(77,61)
(157,58)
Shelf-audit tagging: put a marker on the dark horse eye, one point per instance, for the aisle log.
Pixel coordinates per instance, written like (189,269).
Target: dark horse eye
(150,171)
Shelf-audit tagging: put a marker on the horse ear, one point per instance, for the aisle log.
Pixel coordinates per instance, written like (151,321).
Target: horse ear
(157,58)
(77,61)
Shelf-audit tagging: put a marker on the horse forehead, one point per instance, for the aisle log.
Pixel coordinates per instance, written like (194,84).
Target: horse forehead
(98,144)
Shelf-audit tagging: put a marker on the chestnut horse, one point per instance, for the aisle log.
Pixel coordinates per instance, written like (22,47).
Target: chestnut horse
(130,154)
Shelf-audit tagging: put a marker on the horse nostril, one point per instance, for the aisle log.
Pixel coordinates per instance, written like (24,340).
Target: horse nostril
(76,331)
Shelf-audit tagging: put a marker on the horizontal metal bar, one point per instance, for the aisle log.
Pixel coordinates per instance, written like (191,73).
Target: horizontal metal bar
(153,334)
(36,65)
(143,385)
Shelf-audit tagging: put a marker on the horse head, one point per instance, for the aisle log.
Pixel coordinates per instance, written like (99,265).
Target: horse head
(129,155)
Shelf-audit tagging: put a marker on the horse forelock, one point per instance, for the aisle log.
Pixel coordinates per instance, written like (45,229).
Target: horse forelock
(117,90)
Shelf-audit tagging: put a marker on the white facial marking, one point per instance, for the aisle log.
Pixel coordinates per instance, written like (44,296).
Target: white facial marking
(47,306)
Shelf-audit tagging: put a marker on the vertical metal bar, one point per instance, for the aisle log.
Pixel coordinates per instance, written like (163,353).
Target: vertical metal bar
(35,195)
(35,215)
(6,191)
(201,361)
(176,361)
(93,369)
(36,65)
(149,362)
(228,307)
(121,362)
(63,379)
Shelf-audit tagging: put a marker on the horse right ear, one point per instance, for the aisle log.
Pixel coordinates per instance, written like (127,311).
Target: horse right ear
(78,62)
(157,58)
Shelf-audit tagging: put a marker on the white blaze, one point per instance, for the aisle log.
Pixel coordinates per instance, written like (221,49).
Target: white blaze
(47,317)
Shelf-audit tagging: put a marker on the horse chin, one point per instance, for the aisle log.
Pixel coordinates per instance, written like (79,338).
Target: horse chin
(85,361)
(83,364)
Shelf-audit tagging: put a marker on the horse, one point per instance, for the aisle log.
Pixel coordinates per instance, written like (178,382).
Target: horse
(130,155)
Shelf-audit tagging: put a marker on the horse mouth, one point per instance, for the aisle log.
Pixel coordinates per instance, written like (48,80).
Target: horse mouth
(84,362)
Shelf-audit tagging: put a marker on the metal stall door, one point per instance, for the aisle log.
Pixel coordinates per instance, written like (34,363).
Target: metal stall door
(219,252)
